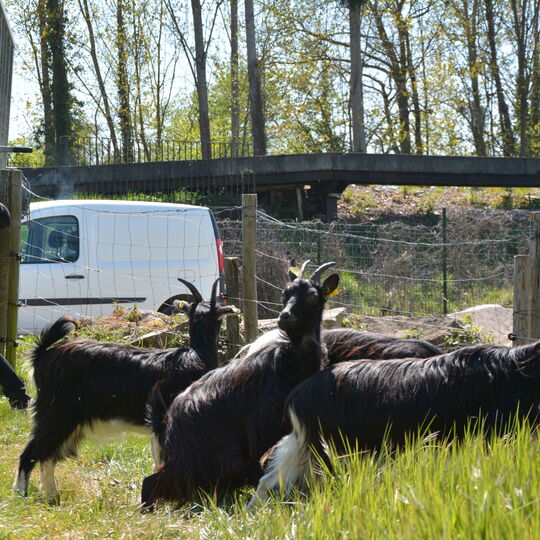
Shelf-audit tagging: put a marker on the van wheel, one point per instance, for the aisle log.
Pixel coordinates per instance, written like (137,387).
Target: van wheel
(167,307)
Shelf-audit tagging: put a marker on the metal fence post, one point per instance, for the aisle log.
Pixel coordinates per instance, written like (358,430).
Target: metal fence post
(249,239)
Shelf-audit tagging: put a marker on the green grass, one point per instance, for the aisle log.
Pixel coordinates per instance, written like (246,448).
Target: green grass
(475,489)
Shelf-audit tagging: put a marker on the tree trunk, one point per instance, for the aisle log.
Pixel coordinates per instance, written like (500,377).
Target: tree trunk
(255,95)
(101,85)
(61,99)
(522,80)
(418,144)
(398,72)
(507,135)
(356,88)
(200,82)
(45,63)
(122,82)
(235,86)
(477,112)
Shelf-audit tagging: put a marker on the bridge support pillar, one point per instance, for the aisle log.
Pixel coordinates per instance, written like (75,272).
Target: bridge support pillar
(331,209)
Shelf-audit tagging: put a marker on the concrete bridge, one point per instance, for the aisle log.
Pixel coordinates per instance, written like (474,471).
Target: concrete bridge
(308,183)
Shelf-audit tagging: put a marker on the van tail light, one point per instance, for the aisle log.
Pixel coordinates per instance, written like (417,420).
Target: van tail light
(221,260)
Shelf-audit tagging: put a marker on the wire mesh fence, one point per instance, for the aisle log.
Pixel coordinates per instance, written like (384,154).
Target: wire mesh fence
(395,268)
(389,268)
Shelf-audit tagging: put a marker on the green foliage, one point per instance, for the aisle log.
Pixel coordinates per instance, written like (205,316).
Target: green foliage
(355,322)
(413,333)
(430,489)
(34,159)
(180,196)
(134,315)
(468,334)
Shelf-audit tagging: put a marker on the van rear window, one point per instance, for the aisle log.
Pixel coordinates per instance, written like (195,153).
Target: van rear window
(53,239)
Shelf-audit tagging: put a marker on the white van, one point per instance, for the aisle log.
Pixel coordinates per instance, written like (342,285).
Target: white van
(83,256)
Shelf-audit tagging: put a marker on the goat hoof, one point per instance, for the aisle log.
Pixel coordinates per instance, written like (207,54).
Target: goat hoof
(53,500)
(147,508)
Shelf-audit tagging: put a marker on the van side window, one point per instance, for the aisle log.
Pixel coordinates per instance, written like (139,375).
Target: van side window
(49,240)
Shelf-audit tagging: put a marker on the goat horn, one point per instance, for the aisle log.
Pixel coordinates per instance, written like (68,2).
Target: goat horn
(196,294)
(303,268)
(317,274)
(213,294)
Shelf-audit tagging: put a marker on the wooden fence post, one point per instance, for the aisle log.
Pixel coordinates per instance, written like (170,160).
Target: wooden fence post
(522,295)
(232,273)
(527,289)
(249,239)
(15,207)
(534,249)
(5,247)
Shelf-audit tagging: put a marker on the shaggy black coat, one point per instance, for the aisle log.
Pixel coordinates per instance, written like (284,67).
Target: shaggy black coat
(366,401)
(217,430)
(345,344)
(81,382)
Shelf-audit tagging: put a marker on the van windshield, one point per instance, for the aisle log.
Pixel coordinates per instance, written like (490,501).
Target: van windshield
(53,239)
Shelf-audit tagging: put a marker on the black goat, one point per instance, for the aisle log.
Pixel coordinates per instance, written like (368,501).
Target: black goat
(216,431)
(366,403)
(345,344)
(88,386)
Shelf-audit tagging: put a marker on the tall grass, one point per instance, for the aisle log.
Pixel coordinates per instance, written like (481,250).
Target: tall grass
(474,489)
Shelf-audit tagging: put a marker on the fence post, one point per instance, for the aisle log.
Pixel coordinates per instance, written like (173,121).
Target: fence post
(527,288)
(444,263)
(232,272)
(534,262)
(249,239)
(15,207)
(5,246)
(522,296)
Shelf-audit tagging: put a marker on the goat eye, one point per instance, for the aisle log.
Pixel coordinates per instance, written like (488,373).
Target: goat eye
(312,299)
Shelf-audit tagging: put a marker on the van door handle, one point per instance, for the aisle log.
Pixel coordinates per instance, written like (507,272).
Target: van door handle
(74,276)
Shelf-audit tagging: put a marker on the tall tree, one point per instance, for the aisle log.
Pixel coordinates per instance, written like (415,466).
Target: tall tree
(258,128)
(507,133)
(200,80)
(235,83)
(397,60)
(62,100)
(356,87)
(104,96)
(122,84)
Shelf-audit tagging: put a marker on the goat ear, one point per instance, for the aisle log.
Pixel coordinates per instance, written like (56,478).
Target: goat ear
(181,305)
(330,285)
(225,311)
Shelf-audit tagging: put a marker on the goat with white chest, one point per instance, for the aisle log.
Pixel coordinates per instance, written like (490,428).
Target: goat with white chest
(216,431)
(87,386)
(369,403)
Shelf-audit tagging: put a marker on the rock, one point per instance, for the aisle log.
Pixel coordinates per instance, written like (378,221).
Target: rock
(332,318)
(492,318)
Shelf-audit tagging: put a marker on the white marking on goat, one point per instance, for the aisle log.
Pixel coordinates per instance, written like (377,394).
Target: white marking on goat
(20,486)
(288,464)
(260,343)
(48,484)
(156,450)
